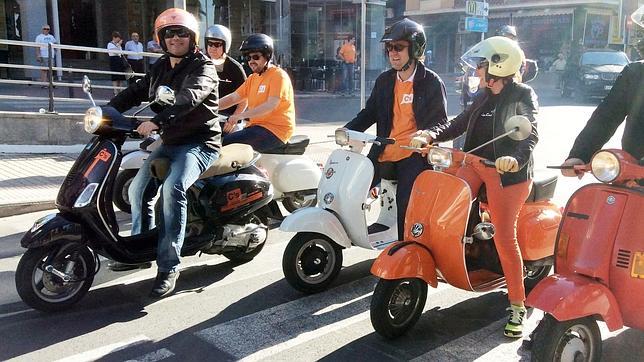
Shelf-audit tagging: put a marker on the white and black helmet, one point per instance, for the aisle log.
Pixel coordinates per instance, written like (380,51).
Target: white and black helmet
(219,32)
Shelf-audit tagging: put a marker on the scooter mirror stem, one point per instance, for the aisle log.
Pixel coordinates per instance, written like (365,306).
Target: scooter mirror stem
(87,88)
(515,129)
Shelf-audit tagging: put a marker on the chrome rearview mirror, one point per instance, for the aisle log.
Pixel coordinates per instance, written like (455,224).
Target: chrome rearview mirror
(87,88)
(521,126)
(165,96)
(87,85)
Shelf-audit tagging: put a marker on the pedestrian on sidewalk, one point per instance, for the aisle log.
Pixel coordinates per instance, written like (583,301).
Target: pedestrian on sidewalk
(117,62)
(42,53)
(135,61)
(559,66)
(349,56)
(153,47)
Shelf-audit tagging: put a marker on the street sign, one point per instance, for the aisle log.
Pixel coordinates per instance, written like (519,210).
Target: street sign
(477,8)
(476,24)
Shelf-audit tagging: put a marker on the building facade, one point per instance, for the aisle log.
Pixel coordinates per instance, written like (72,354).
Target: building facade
(545,27)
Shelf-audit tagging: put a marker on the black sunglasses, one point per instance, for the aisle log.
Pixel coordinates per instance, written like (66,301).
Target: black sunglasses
(180,32)
(215,44)
(482,64)
(397,47)
(253,56)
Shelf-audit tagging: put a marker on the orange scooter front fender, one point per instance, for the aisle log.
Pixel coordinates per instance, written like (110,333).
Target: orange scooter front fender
(406,259)
(574,296)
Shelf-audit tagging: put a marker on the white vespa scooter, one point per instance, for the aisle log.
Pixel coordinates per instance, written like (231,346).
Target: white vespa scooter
(313,257)
(294,176)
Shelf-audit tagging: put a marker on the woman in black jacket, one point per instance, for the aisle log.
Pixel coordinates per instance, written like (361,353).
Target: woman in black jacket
(406,98)
(497,60)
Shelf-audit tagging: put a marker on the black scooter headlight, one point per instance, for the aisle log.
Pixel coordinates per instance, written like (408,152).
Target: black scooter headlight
(93,119)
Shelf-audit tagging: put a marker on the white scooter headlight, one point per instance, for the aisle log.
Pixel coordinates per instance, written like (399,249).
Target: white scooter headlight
(93,119)
(439,157)
(605,166)
(342,136)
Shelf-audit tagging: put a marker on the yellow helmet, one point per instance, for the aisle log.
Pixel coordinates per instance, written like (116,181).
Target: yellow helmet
(504,56)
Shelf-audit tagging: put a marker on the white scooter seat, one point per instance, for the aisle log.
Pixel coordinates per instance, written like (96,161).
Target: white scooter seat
(295,146)
(231,158)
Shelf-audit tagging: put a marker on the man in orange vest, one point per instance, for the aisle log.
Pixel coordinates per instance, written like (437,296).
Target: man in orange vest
(348,55)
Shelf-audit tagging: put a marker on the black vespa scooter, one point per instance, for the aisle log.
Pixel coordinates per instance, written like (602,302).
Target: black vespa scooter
(228,211)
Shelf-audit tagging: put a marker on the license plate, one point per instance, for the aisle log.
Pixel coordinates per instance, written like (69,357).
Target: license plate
(608,87)
(637,270)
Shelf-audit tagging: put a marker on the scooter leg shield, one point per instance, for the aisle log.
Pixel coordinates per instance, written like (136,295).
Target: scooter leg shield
(572,297)
(406,259)
(49,230)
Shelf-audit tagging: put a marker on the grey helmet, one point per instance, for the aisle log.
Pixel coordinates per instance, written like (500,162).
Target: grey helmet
(219,32)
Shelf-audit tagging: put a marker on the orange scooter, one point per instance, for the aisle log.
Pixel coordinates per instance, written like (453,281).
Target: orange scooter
(447,238)
(599,263)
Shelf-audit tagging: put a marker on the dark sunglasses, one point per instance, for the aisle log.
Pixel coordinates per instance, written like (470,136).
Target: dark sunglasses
(215,44)
(180,32)
(253,56)
(45,28)
(397,47)
(482,64)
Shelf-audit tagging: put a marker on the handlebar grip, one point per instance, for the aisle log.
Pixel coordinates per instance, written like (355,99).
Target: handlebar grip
(386,141)
(488,163)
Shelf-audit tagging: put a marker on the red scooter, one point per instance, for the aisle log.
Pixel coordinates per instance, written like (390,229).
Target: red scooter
(599,263)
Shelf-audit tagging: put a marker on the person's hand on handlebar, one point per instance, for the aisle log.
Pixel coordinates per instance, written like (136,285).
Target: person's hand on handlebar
(506,164)
(421,139)
(231,122)
(569,171)
(146,128)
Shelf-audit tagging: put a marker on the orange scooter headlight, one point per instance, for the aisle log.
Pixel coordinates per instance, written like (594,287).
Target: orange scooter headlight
(605,166)
(439,157)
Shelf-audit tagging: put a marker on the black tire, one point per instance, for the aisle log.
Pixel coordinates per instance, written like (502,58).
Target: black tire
(396,305)
(566,341)
(241,256)
(311,262)
(292,203)
(119,192)
(534,274)
(46,292)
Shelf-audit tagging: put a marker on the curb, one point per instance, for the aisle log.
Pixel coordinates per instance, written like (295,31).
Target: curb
(25,208)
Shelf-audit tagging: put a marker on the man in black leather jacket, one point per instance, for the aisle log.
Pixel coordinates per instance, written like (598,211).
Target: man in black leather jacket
(625,100)
(406,98)
(190,133)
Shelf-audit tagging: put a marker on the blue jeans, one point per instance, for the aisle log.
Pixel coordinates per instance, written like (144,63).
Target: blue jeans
(187,162)
(347,77)
(258,137)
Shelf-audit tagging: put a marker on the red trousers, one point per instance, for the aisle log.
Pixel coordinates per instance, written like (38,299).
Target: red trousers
(505,204)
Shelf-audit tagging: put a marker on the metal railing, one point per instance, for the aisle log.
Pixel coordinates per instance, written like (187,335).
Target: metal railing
(50,68)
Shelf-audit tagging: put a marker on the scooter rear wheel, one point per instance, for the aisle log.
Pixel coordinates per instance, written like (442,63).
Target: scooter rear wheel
(121,185)
(573,340)
(46,291)
(396,305)
(534,274)
(311,262)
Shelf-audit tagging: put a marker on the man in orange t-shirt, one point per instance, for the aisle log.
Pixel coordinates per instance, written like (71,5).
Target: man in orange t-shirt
(348,55)
(404,99)
(271,107)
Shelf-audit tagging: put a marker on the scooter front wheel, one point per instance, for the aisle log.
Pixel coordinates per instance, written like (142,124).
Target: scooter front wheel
(42,288)
(396,305)
(573,340)
(311,262)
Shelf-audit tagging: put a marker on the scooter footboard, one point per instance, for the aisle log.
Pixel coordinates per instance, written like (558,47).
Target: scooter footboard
(406,259)
(572,297)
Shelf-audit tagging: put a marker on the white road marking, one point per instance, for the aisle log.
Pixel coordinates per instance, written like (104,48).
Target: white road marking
(100,352)
(266,333)
(157,355)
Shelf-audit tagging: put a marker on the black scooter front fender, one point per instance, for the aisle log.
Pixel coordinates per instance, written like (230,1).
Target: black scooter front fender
(51,229)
